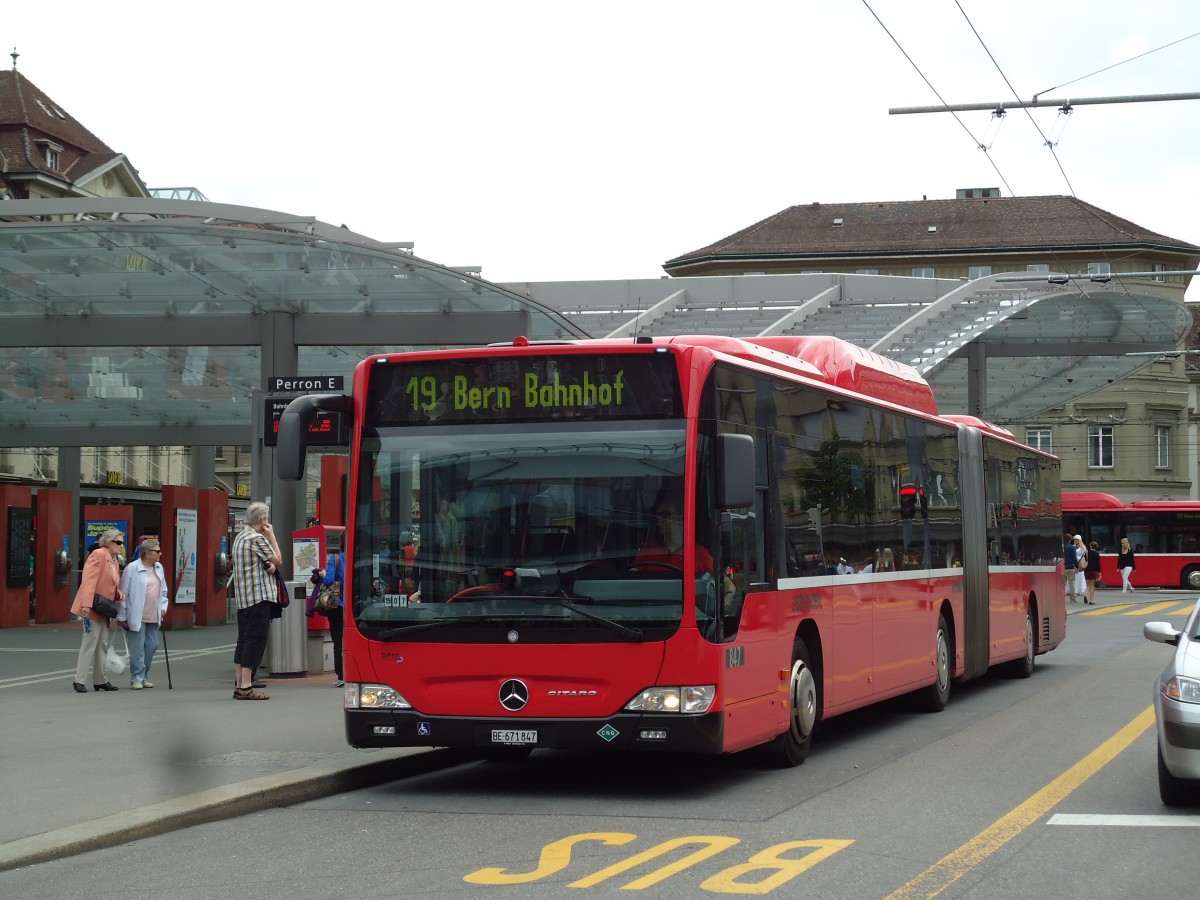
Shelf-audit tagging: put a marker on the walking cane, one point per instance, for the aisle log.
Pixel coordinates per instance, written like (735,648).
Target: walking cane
(167,656)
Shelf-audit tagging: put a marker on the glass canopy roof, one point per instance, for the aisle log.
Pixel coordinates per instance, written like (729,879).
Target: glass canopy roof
(130,322)
(141,321)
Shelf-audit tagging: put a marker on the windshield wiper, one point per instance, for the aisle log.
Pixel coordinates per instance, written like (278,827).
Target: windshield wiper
(393,633)
(634,634)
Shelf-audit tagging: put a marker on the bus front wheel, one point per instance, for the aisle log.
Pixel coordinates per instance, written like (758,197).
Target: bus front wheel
(791,748)
(1023,667)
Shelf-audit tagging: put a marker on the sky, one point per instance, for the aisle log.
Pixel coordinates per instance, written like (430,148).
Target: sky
(580,140)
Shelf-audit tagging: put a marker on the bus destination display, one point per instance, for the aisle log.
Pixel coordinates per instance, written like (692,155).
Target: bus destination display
(525,389)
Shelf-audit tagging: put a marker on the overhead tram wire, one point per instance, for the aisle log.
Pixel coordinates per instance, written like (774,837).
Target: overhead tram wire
(957,108)
(953,110)
(1113,66)
(978,144)
(1045,140)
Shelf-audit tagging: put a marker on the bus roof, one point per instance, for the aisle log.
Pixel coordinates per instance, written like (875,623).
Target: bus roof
(835,362)
(1083,501)
(1078,501)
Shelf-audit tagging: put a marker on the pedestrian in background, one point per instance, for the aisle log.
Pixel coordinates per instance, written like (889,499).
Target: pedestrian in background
(334,576)
(1081,556)
(255,557)
(1092,571)
(1070,563)
(101,575)
(1125,563)
(144,583)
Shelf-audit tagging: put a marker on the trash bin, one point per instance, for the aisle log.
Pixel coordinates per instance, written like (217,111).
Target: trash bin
(287,651)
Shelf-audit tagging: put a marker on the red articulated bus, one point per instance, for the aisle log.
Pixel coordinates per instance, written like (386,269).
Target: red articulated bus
(1164,536)
(696,543)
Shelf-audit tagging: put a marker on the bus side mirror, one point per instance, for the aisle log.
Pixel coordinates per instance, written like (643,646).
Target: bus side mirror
(735,471)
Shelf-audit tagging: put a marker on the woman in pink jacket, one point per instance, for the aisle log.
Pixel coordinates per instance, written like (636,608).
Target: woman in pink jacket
(101,575)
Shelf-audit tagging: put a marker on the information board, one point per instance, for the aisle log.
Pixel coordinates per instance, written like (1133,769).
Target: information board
(329,429)
(20,547)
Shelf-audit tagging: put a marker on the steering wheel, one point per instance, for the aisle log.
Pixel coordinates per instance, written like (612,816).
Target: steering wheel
(655,564)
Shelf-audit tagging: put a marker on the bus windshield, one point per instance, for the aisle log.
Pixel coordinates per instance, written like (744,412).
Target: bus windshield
(465,533)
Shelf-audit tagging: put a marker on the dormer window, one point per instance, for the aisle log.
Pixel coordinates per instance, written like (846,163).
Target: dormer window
(51,153)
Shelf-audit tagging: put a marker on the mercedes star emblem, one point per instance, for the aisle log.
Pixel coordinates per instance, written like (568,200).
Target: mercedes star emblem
(514,695)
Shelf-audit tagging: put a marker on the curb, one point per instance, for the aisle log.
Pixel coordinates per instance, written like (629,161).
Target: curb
(320,779)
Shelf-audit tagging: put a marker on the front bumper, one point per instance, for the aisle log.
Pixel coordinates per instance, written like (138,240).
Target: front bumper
(624,731)
(1179,736)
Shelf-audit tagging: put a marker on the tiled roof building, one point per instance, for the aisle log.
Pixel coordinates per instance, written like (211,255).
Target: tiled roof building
(893,237)
(45,153)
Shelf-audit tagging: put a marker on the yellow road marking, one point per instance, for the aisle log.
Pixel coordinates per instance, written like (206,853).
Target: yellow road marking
(950,868)
(1108,610)
(1152,608)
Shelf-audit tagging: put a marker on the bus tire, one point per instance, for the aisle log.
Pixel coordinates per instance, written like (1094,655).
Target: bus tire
(791,748)
(1023,667)
(935,697)
(1191,578)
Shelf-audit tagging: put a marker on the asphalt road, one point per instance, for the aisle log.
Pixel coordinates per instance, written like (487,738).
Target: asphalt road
(1042,787)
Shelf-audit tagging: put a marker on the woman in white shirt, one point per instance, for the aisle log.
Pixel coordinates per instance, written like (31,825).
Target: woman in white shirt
(144,583)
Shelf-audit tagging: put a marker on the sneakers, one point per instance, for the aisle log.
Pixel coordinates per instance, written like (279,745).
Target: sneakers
(339,683)
(137,685)
(147,684)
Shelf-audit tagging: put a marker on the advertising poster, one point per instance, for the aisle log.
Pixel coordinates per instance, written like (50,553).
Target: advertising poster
(93,528)
(185,555)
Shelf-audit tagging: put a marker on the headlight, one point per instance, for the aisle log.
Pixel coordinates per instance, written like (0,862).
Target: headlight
(374,696)
(687,699)
(1185,690)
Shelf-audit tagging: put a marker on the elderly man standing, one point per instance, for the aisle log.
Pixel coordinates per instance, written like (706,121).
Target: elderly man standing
(256,556)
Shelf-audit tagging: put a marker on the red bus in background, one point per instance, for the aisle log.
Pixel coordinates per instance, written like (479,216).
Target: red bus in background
(696,544)
(1164,534)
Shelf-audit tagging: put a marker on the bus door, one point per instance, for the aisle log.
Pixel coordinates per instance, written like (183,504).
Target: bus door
(750,626)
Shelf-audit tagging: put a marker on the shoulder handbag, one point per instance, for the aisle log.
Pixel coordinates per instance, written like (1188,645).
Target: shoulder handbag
(328,596)
(283,597)
(104,606)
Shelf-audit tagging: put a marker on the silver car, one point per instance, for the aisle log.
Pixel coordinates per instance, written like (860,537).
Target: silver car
(1177,710)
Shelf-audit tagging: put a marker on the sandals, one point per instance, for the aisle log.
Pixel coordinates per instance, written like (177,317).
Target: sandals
(249,694)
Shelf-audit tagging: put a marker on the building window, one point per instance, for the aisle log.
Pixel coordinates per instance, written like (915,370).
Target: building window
(1038,267)
(51,153)
(1039,439)
(1100,446)
(1162,447)
(1159,268)
(978,272)
(1099,268)
(866,271)
(923,272)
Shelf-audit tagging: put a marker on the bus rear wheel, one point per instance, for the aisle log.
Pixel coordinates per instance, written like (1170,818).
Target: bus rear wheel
(1191,578)
(791,748)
